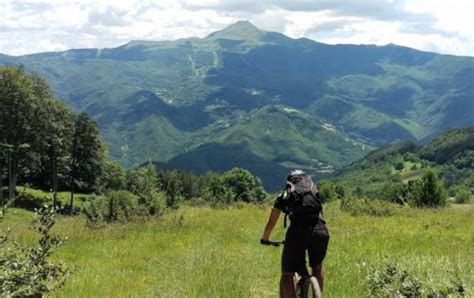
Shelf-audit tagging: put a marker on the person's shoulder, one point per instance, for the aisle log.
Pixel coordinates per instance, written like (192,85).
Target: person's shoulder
(281,199)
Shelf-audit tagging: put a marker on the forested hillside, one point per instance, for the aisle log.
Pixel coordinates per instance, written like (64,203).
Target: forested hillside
(272,102)
(451,155)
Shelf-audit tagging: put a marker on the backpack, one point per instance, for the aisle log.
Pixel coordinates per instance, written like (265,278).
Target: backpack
(304,202)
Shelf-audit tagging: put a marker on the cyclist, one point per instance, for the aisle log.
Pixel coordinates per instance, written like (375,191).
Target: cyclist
(307,232)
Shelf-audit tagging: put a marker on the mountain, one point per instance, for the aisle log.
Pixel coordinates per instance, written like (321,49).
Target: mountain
(451,154)
(262,96)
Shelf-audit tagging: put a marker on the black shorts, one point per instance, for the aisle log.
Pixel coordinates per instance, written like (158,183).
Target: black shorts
(302,238)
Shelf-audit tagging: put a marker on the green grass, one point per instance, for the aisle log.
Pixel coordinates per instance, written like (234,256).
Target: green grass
(200,252)
(63,197)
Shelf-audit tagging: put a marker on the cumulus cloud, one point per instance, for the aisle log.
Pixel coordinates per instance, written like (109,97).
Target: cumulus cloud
(29,26)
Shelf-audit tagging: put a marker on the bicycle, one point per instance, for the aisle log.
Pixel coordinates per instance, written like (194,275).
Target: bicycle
(306,285)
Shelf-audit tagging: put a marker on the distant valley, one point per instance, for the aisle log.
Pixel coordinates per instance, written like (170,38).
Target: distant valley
(257,99)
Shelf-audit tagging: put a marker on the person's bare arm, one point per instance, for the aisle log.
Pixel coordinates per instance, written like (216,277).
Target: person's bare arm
(272,220)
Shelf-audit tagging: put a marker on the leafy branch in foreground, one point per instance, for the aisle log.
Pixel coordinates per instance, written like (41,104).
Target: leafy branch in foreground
(26,271)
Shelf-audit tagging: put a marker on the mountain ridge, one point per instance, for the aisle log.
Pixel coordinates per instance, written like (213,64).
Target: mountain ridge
(157,100)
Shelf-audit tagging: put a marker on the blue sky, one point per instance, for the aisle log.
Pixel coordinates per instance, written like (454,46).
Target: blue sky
(432,25)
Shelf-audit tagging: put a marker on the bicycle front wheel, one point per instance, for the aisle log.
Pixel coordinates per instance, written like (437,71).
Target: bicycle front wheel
(314,291)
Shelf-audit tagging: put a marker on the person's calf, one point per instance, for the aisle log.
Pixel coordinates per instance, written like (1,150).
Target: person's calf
(287,286)
(318,272)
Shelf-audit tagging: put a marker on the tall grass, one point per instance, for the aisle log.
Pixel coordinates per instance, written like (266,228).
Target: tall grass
(200,252)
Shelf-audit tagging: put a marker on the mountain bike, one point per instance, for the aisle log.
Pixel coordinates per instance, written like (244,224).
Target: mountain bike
(306,285)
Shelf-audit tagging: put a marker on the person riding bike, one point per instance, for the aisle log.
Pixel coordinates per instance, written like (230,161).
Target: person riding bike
(302,202)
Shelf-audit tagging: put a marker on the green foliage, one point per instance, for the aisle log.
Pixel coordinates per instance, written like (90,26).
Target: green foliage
(430,192)
(173,185)
(331,191)
(374,173)
(31,199)
(394,282)
(363,206)
(395,193)
(27,271)
(87,153)
(463,196)
(117,206)
(232,186)
(113,177)
(144,183)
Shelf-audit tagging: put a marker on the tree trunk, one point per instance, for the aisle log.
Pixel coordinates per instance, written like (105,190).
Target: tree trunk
(55,182)
(14,180)
(71,203)
(1,191)
(10,180)
(13,176)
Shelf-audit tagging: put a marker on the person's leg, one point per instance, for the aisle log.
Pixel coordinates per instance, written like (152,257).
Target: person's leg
(293,257)
(317,253)
(319,274)
(287,286)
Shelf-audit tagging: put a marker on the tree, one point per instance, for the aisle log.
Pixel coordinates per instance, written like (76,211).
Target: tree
(113,176)
(235,185)
(429,192)
(87,153)
(55,144)
(172,184)
(326,189)
(246,186)
(21,97)
(144,183)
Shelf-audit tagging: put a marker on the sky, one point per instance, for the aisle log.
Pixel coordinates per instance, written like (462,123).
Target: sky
(442,26)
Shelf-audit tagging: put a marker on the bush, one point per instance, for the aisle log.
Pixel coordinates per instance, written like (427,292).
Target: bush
(463,196)
(327,191)
(118,205)
(26,271)
(363,206)
(428,192)
(234,185)
(394,193)
(392,282)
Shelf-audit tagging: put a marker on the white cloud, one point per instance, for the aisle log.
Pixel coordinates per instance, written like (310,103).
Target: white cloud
(432,25)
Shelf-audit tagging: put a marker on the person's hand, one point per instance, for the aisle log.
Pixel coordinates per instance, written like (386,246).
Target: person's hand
(265,242)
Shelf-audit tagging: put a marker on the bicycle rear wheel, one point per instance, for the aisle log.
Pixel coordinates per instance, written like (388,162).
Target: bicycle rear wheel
(314,291)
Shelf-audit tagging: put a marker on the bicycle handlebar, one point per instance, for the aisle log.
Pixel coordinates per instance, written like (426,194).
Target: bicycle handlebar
(272,243)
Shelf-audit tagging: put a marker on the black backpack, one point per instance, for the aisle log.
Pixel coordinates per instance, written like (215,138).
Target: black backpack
(304,202)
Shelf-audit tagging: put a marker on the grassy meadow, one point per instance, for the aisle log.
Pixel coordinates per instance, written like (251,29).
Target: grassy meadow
(202,252)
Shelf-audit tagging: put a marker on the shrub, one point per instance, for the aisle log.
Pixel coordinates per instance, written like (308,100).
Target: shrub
(428,192)
(172,184)
(463,196)
(393,282)
(327,191)
(234,185)
(395,193)
(26,271)
(363,206)
(118,205)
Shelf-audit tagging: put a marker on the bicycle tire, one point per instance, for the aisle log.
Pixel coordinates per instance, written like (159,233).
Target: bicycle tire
(314,291)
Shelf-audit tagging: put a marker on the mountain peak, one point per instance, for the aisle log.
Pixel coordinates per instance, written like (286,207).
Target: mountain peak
(241,30)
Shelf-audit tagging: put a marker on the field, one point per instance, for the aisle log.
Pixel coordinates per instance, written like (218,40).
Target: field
(201,252)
